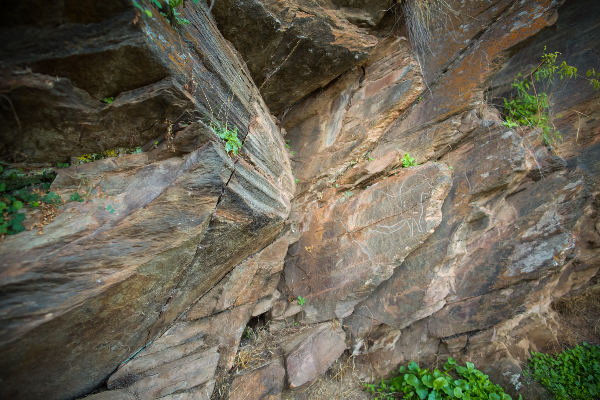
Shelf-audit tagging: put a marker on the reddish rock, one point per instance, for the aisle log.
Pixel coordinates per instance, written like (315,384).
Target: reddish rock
(310,353)
(266,383)
(355,242)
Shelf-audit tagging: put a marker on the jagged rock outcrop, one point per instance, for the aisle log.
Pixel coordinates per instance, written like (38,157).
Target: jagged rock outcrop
(155,231)
(293,48)
(149,283)
(511,236)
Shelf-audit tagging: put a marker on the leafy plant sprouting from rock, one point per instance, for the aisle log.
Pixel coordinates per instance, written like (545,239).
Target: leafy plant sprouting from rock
(408,161)
(532,104)
(572,374)
(417,383)
(168,9)
(232,143)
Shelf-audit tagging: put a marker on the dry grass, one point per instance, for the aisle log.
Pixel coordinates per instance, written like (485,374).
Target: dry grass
(423,17)
(580,315)
(340,382)
(261,346)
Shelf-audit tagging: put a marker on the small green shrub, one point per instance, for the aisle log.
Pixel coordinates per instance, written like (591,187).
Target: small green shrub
(417,383)
(232,143)
(301,301)
(168,10)
(108,100)
(532,104)
(76,197)
(408,161)
(11,220)
(572,374)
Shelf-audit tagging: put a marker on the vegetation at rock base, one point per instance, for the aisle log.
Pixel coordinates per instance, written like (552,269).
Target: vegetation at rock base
(91,157)
(417,383)
(532,105)
(301,301)
(571,374)
(11,204)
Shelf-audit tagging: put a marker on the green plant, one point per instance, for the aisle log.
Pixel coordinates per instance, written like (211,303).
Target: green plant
(76,197)
(408,161)
(11,220)
(232,143)
(348,194)
(297,180)
(417,383)
(571,374)
(108,100)
(370,159)
(533,102)
(451,167)
(301,301)
(63,165)
(167,10)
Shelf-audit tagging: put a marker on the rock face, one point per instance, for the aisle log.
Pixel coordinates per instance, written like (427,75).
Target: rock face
(266,383)
(303,45)
(149,283)
(157,230)
(515,221)
(310,353)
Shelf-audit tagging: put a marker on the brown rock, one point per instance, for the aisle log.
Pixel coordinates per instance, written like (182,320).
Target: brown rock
(357,241)
(309,354)
(266,383)
(184,216)
(304,44)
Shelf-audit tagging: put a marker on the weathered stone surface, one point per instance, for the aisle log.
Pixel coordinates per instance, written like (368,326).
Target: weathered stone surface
(99,285)
(186,373)
(355,243)
(332,129)
(469,53)
(304,45)
(309,353)
(266,383)
(515,222)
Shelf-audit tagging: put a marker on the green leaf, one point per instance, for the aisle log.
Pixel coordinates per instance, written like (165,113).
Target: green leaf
(17,205)
(427,380)
(440,383)
(412,380)
(2,187)
(494,396)
(458,392)
(422,391)
(148,13)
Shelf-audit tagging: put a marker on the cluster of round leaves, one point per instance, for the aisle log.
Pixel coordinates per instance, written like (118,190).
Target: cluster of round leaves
(416,383)
(11,220)
(572,374)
